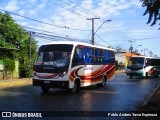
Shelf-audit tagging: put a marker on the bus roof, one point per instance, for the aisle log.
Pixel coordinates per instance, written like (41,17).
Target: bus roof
(75,43)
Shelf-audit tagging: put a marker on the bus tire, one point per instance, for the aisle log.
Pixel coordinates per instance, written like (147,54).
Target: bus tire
(103,82)
(146,76)
(156,76)
(45,89)
(76,87)
(131,76)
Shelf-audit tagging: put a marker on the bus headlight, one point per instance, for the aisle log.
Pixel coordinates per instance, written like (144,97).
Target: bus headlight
(34,73)
(62,74)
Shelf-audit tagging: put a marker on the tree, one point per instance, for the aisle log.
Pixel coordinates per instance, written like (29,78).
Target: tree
(153,8)
(118,48)
(13,35)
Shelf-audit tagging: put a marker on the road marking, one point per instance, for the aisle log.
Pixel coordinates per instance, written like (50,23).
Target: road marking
(91,91)
(122,83)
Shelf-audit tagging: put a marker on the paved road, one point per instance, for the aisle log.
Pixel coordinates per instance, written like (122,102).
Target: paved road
(121,94)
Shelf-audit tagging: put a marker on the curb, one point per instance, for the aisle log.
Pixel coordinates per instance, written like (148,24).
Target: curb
(14,83)
(119,72)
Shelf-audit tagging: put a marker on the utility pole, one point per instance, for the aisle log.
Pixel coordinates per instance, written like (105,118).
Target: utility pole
(30,53)
(144,51)
(30,39)
(131,48)
(92,28)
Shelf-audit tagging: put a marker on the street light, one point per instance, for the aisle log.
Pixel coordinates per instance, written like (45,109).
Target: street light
(93,33)
(137,47)
(101,25)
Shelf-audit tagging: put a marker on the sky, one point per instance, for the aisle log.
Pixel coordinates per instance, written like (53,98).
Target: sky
(69,18)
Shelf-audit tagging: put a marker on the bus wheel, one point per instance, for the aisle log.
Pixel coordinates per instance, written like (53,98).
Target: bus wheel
(45,89)
(76,87)
(131,76)
(156,76)
(103,82)
(146,75)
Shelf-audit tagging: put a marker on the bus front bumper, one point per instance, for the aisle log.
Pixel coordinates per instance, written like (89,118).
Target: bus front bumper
(50,83)
(135,74)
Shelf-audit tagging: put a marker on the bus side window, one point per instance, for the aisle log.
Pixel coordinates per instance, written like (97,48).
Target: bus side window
(106,56)
(78,56)
(94,56)
(90,55)
(86,55)
(148,62)
(112,57)
(102,56)
(97,55)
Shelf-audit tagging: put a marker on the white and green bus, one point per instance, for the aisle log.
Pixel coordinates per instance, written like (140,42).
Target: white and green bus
(72,65)
(143,66)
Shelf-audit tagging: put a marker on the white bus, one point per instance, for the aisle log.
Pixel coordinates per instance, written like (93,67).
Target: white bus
(143,66)
(71,65)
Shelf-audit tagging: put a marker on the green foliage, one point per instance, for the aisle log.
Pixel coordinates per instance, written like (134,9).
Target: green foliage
(12,36)
(153,9)
(9,64)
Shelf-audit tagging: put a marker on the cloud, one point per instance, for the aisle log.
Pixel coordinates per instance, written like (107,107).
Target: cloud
(132,12)
(32,12)
(41,6)
(23,23)
(105,9)
(32,1)
(12,6)
(21,12)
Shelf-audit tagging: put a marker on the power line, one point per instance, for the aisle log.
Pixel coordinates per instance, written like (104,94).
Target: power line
(66,36)
(103,40)
(100,20)
(40,30)
(42,34)
(86,36)
(14,30)
(43,22)
(82,9)
(119,32)
(66,9)
(135,39)
(82,39)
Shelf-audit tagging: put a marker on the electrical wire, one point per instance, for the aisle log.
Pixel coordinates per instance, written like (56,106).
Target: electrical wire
(67,9)
(42,21)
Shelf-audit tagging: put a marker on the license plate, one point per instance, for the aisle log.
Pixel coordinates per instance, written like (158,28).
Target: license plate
(47,82)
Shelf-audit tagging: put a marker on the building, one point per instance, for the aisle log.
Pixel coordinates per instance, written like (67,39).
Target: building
(123,57)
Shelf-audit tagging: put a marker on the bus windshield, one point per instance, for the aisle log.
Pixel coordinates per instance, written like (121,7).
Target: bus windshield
(54,55)
(136,62)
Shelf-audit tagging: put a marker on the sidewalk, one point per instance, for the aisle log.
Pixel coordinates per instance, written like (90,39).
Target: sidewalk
(14,82)
(152,103)
(120,71)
